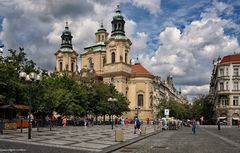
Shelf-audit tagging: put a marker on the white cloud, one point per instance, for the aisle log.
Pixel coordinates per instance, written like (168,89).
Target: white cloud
(153,6)
(139,43)
(195,90)
(187,54)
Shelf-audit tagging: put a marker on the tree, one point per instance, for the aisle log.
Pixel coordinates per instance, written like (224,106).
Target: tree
(177,110)
(12,89)
(202,106)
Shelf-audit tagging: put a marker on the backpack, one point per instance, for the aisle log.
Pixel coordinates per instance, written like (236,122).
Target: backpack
(138,122)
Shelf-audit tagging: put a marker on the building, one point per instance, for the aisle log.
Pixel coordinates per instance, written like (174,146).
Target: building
(165,89)
(224,88)
(109,59)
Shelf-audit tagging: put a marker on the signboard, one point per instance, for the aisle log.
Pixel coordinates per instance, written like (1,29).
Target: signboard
(166,112)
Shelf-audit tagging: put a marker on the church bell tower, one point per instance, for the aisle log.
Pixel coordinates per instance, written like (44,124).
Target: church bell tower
(66,57)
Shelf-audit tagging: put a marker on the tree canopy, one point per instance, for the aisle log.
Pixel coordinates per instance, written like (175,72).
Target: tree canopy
(56,92)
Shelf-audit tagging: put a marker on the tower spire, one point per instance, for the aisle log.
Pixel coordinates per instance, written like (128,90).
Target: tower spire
(66,36)
(101,24)
(118,23)
(118,8)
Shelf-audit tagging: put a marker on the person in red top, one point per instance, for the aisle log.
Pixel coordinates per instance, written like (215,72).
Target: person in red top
(126,122)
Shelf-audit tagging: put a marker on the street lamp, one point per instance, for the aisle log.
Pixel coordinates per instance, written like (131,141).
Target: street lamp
(112,100)
(29,78)
(138,110)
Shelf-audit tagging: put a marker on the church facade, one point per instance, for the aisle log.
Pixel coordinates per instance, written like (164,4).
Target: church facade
(109,59)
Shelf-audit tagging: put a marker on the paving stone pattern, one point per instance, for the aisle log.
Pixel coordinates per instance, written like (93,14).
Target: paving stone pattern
(94,138)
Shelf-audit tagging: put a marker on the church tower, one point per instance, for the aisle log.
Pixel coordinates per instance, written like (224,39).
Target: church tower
(66,57)
(94,56)
(117,68)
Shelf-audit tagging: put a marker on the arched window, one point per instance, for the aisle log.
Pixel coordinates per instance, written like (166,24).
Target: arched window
(98,37)
(140,100)
(102,37)
(125,57)
(119,25)
(90,63)
(72,66)
(60,66)
(113,57)
(115,26)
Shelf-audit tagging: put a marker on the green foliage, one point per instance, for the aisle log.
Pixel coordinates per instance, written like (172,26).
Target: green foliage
(203,107)
(12,89)
(177,110)
(56,92)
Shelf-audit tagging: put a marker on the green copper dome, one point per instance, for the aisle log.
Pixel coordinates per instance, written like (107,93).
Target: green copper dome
(118,23)
(66,38)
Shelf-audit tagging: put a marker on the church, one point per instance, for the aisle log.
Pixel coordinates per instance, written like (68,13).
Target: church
(109,59)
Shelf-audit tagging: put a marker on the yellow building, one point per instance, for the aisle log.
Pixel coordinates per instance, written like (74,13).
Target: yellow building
(110,59)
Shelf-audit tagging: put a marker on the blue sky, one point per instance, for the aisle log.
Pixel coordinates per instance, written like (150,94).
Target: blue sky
(171,37)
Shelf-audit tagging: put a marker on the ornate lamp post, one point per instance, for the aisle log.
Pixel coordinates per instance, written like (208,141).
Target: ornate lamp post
(29,78)
(138,110)
(112,100)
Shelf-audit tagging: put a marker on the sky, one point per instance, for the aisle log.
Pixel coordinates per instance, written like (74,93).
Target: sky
(171,37)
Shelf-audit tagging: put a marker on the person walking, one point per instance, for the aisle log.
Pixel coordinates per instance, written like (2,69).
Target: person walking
(194,126)
(137,125)
(219,125)
(64,121)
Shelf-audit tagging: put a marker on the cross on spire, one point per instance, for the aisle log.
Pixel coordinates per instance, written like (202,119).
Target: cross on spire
(66,22)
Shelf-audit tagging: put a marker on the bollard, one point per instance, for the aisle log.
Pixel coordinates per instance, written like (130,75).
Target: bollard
(50,125)
(1,126)
(143,130)
(21,121)
(119,135)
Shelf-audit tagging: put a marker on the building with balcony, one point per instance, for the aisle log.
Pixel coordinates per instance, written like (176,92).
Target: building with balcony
(165,89)
(225,89)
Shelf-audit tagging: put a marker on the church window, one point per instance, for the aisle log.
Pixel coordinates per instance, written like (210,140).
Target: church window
(125,57)
(119,25)
(72,66)
(60,66)
(90,63)
(140,100)
(102,37)
(113,57)
(98,37)
(115,26)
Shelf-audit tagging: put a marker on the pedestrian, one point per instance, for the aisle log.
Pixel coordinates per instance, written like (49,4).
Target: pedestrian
(219,125)
(137,125)
(194,126)
(85,121)
(122,122)
(126,122)
(64,121)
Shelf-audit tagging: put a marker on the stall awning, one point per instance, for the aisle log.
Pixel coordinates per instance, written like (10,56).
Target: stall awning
(15,107)
(222,117)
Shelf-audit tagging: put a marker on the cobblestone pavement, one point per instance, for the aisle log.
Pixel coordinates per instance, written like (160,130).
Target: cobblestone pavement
(94,138)
(206,140)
